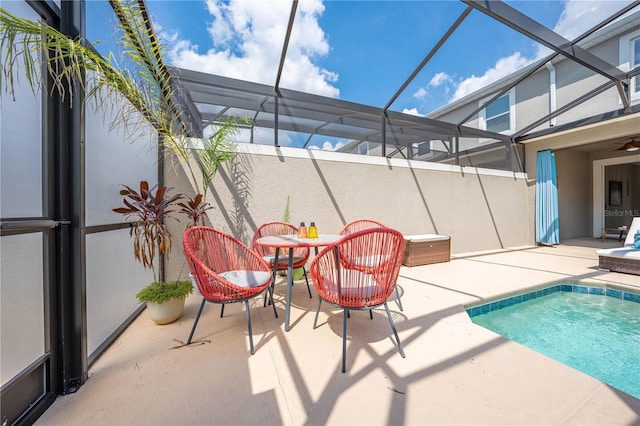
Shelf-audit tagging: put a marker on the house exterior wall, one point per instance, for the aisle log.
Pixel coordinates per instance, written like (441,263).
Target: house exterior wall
(532,96)
(574,197)
(575,192)
(532,99)
(574,171)
(575,168)
(479,209)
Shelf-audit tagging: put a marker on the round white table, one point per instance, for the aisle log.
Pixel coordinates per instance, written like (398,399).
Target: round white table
(290,242)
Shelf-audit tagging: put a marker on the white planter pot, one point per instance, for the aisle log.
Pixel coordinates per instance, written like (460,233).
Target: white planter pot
(166,312)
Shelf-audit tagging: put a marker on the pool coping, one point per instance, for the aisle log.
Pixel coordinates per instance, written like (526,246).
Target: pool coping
(490,304)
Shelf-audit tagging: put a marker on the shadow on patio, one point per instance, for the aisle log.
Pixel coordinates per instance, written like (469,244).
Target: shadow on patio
(455,372)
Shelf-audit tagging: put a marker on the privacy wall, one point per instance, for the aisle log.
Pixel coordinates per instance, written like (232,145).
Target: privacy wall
(113,157)
(480,209)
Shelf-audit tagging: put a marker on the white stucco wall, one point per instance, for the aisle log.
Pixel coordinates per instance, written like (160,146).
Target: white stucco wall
(479,209)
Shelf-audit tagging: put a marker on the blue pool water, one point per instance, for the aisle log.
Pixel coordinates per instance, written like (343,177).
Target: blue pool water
(592,329)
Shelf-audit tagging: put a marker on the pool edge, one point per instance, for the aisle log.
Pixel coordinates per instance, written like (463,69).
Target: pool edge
(500,301)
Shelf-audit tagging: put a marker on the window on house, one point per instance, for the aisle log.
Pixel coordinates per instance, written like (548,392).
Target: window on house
(635,59)
(363,148)
(497,115)
(630,59)
(421,148)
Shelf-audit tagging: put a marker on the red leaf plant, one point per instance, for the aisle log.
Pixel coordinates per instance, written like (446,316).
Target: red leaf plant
(195,209)
(150,207)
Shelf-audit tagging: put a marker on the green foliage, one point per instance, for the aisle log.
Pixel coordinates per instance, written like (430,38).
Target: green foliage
(43,54)
(150,209)
(286,216)
(158,292)
(66,60)
(298,274)
(148,88)
(214,150)
(195,209)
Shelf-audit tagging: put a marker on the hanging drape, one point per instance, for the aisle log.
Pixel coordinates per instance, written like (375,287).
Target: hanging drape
(547,230)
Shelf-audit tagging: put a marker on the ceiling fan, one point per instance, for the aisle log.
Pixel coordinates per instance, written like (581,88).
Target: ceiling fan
(632,145)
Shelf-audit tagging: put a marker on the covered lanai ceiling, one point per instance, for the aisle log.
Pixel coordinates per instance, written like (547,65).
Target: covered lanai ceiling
(276,110)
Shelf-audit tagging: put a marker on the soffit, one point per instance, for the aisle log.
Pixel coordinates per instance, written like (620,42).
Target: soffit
(600,136)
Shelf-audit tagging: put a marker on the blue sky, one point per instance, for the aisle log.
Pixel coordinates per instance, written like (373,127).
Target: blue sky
(362,50)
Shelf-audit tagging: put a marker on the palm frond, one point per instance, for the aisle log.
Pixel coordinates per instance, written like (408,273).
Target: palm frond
(31,46)
(35,48)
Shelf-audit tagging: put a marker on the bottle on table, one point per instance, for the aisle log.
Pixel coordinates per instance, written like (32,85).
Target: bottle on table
(302,231)
(313,231)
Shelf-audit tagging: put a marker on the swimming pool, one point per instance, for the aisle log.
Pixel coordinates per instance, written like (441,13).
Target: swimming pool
(593,329)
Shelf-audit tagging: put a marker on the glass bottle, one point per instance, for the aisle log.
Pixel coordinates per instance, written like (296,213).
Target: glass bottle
(302,231)
(313,231)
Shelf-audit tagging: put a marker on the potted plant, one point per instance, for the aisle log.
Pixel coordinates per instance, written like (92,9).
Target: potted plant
(151,237)
(195,209)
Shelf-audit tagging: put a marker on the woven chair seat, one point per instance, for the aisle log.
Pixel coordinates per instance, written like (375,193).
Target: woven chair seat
(359,271)
(225,271)
(367,293)
(365,260)
(246,278)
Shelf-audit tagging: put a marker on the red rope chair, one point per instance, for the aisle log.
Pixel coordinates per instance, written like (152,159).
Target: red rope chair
(225,270)
(359,225)
(364,284)
(300,254)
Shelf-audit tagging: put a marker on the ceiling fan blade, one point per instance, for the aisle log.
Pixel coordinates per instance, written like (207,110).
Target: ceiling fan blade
(632,145)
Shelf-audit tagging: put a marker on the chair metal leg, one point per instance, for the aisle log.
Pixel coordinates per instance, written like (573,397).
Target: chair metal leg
(398,299)
(345,315)
(246,305)
(222,311)
(195,323)
(304,271)
(317,312)
(393,327)
(273,286)
(274,273)
(371,313)
(270,291)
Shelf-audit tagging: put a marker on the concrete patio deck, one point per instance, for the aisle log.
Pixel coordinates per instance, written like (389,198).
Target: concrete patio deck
(454,373)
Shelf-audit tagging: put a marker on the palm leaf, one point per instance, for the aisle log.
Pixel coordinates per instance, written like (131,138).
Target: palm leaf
(41,49)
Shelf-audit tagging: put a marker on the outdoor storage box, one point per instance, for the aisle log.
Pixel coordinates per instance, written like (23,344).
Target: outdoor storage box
(425,249)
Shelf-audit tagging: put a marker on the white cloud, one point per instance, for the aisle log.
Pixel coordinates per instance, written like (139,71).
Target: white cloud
(413,111)
(421,93)
(503,67)
(247,39)
(580,15)
(264,136)
(440,79)
(576,17)
(328,146)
